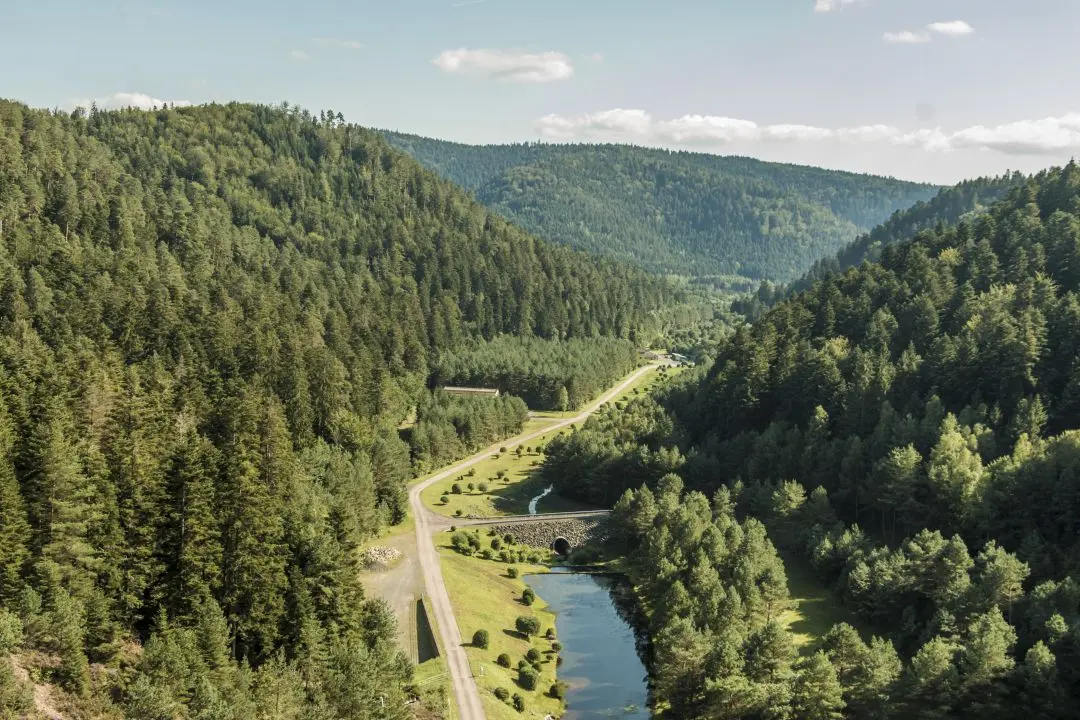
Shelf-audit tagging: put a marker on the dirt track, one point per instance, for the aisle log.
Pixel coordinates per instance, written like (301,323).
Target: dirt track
(465,692)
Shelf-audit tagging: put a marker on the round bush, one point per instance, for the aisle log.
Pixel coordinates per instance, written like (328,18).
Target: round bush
(527,679)
(556,646)
(485,554)
(504,660)
(457,513)
(522,664)
(482,487)
(471,486)
(502,449)
(527,626)
(558,661)
(558,690)
(480,639)
(533,655)
(455,488)
(444,499)
(528,597)
(519,703)
(501,474)
(511,572)
(508,539)
(472,472)
(496,544)
(550,634)
(502,693)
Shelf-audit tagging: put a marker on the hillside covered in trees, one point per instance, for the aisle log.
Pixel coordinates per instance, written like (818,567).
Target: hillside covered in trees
(910,431)
(212,321)
(672,212)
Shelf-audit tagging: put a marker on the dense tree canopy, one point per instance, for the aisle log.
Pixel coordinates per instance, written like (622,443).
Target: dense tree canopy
(212,321)
(672,212)
(909,430)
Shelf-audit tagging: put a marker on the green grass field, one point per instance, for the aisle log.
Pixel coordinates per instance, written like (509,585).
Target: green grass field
(484,597)
(815,607)
(510,494)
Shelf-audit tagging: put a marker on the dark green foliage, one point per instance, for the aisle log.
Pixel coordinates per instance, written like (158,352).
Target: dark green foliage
(511,572)
(558,690)
(502,693)
(504,660)
(213,321)
(672,212)
(449,427)
(519,702)
(480,639)
(928,408)
(528,596)
(527,625)
(528,678)
(533,655)
(547,374)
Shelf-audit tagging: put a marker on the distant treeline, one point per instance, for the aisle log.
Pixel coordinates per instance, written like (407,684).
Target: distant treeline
(547,374)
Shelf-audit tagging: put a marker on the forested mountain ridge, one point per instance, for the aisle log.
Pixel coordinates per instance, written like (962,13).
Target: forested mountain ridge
(211,321)
(672,212)
(909,430)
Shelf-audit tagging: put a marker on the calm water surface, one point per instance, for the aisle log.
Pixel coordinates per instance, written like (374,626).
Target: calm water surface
(600,660)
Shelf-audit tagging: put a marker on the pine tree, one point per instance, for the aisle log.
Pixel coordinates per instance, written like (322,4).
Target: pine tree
(817,692)
(14,528)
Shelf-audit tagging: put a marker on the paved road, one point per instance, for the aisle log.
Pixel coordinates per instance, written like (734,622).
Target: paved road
(465,691)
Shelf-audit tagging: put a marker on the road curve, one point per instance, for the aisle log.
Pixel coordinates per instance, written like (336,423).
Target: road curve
(466,693)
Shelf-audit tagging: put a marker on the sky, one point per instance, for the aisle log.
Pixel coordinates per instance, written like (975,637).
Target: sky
(933,90)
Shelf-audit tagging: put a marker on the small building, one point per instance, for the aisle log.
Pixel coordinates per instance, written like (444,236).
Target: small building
(472,392)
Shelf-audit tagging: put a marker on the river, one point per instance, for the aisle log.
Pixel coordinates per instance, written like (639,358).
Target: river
(606,677)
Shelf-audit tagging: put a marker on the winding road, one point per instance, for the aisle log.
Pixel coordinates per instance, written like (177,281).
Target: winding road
(465,692)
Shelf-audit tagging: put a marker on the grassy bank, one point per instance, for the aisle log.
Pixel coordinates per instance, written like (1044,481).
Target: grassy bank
(484,597)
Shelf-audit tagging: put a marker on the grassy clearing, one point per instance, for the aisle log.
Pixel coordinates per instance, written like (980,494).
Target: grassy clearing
(510,494)
(815,607)
(483,597)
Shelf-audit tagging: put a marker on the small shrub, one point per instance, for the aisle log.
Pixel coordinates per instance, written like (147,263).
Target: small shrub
(501,474)
(496,544)
(537,666)
(485,554)
(522,664)
(459,540)
(508,539)
(518,451)
(528,597)
(533,656)
(527,625)
(480,639)
(444,499)
(558,690)
(556,645)
(471,486)
(511,572)
(550,634)
(458,513)
(491,533)
(482,487)
(558,661)
(502,693)
(455,488)
(453,528)
(504,660)
(504,556)
(534,558)
(528,678)
(502,449)
(472,472)
(519,703)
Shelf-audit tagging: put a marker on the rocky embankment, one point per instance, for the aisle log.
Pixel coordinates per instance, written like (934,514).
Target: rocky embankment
(577,531)
(376,558)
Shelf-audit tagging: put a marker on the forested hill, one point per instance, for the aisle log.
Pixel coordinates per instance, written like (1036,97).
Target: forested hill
(672,212)
(211,321)
(907,431)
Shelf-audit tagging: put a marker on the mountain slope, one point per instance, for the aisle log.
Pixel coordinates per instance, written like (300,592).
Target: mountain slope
(672,212)
(212,321)
(908,432)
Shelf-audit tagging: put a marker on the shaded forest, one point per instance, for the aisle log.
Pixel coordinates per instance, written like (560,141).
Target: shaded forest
(212,321)
(677,213)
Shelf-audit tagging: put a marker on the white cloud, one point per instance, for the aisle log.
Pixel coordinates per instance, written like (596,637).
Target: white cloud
(337,43)
(952,28)
(907,37)
(141,101)
(823,6)
(300,55)
(1047,136)
(595,57)
(506,64)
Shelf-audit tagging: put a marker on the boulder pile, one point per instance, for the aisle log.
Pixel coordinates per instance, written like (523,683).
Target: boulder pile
(577,531)
(379,557)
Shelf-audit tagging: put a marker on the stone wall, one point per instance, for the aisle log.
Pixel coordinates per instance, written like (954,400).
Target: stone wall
(577,531)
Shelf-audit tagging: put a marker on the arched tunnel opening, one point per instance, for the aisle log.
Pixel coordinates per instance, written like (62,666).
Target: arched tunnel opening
(561,546)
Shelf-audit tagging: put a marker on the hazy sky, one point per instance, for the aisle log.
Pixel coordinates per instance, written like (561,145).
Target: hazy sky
(924,89)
